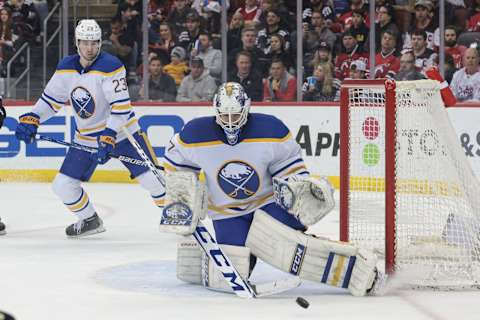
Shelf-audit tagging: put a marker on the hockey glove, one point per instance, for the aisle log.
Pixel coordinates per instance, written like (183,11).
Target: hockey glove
(27,127)
(3,113)
(106,143)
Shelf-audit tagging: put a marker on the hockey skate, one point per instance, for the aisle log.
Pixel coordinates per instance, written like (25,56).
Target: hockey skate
(2,228)
(85,227)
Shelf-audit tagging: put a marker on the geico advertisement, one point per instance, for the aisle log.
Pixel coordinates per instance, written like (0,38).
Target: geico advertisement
(315,128)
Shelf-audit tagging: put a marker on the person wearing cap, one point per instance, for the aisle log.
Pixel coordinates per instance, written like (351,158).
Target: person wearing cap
(317,32)
(322,55)
(188,38)
(199,85)
(177,68)
(358,70)
(351,52)
(424,21)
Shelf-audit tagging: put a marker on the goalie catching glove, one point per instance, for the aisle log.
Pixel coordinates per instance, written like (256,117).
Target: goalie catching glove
(185,202)
(308,199)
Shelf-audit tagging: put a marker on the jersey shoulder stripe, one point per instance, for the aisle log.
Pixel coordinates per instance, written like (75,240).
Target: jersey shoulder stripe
(107,64)
(264,128)
(69,64)
(199,132)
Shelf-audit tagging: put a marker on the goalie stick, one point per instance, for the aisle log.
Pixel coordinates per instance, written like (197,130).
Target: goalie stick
(207,242)
(93,150)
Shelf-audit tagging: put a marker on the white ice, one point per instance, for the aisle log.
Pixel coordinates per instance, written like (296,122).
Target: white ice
(128,272)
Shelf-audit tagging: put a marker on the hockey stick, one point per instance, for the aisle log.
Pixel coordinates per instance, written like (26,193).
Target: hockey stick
(78,146)
(207,242)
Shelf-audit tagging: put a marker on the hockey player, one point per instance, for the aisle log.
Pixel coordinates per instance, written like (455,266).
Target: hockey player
(3,115)
(260,197)
(96,86)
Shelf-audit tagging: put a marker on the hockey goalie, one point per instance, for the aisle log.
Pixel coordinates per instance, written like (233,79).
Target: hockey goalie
(245,170)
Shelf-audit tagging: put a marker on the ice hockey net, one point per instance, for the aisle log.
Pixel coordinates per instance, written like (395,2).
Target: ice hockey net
(407,190)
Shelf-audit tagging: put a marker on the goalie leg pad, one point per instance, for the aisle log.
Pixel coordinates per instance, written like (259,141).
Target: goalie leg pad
(189,261)
(240,258)
(194,266)
(312,258)
(185,202)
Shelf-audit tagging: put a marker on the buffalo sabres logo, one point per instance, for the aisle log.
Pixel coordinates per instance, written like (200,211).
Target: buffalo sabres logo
(83,102)
(238,180)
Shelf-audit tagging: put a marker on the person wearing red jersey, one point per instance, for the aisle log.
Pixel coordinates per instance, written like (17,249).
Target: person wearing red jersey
(351,53)
(387,63)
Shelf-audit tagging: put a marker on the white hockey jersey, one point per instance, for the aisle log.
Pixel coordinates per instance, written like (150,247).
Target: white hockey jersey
(466,87)
(98,95)
(239,177)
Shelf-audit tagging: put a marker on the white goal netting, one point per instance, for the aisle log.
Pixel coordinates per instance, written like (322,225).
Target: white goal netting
(436,196)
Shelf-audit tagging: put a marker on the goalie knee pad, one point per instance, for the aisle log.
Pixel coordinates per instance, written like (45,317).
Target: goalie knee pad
(312,258)
(194,266)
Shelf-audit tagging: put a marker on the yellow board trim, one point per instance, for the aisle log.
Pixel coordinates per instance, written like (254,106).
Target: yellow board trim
(47,175)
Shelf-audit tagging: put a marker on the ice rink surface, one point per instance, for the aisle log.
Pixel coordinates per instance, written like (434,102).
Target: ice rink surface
(128,272)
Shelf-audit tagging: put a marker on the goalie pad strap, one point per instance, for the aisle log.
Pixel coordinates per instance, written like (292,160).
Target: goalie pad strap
(194,266)
(312,258)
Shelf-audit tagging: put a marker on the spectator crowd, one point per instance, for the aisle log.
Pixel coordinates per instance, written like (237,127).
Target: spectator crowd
(185,60)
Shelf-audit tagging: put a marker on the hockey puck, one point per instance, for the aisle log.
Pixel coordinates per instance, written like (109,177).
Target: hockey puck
(302,302)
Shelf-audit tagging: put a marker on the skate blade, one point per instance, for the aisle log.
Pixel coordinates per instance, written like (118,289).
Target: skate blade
(89,233)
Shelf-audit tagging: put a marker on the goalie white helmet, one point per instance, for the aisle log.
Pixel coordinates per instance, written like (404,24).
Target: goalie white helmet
(88,30)
(232,106)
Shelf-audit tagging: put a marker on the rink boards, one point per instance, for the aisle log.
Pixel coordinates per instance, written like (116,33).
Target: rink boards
(315,126)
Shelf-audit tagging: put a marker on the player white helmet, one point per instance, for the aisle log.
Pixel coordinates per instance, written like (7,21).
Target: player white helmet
(88,29)
(232,105)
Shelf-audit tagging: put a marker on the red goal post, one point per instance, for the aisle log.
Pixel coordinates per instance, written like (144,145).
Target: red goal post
(406,188)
